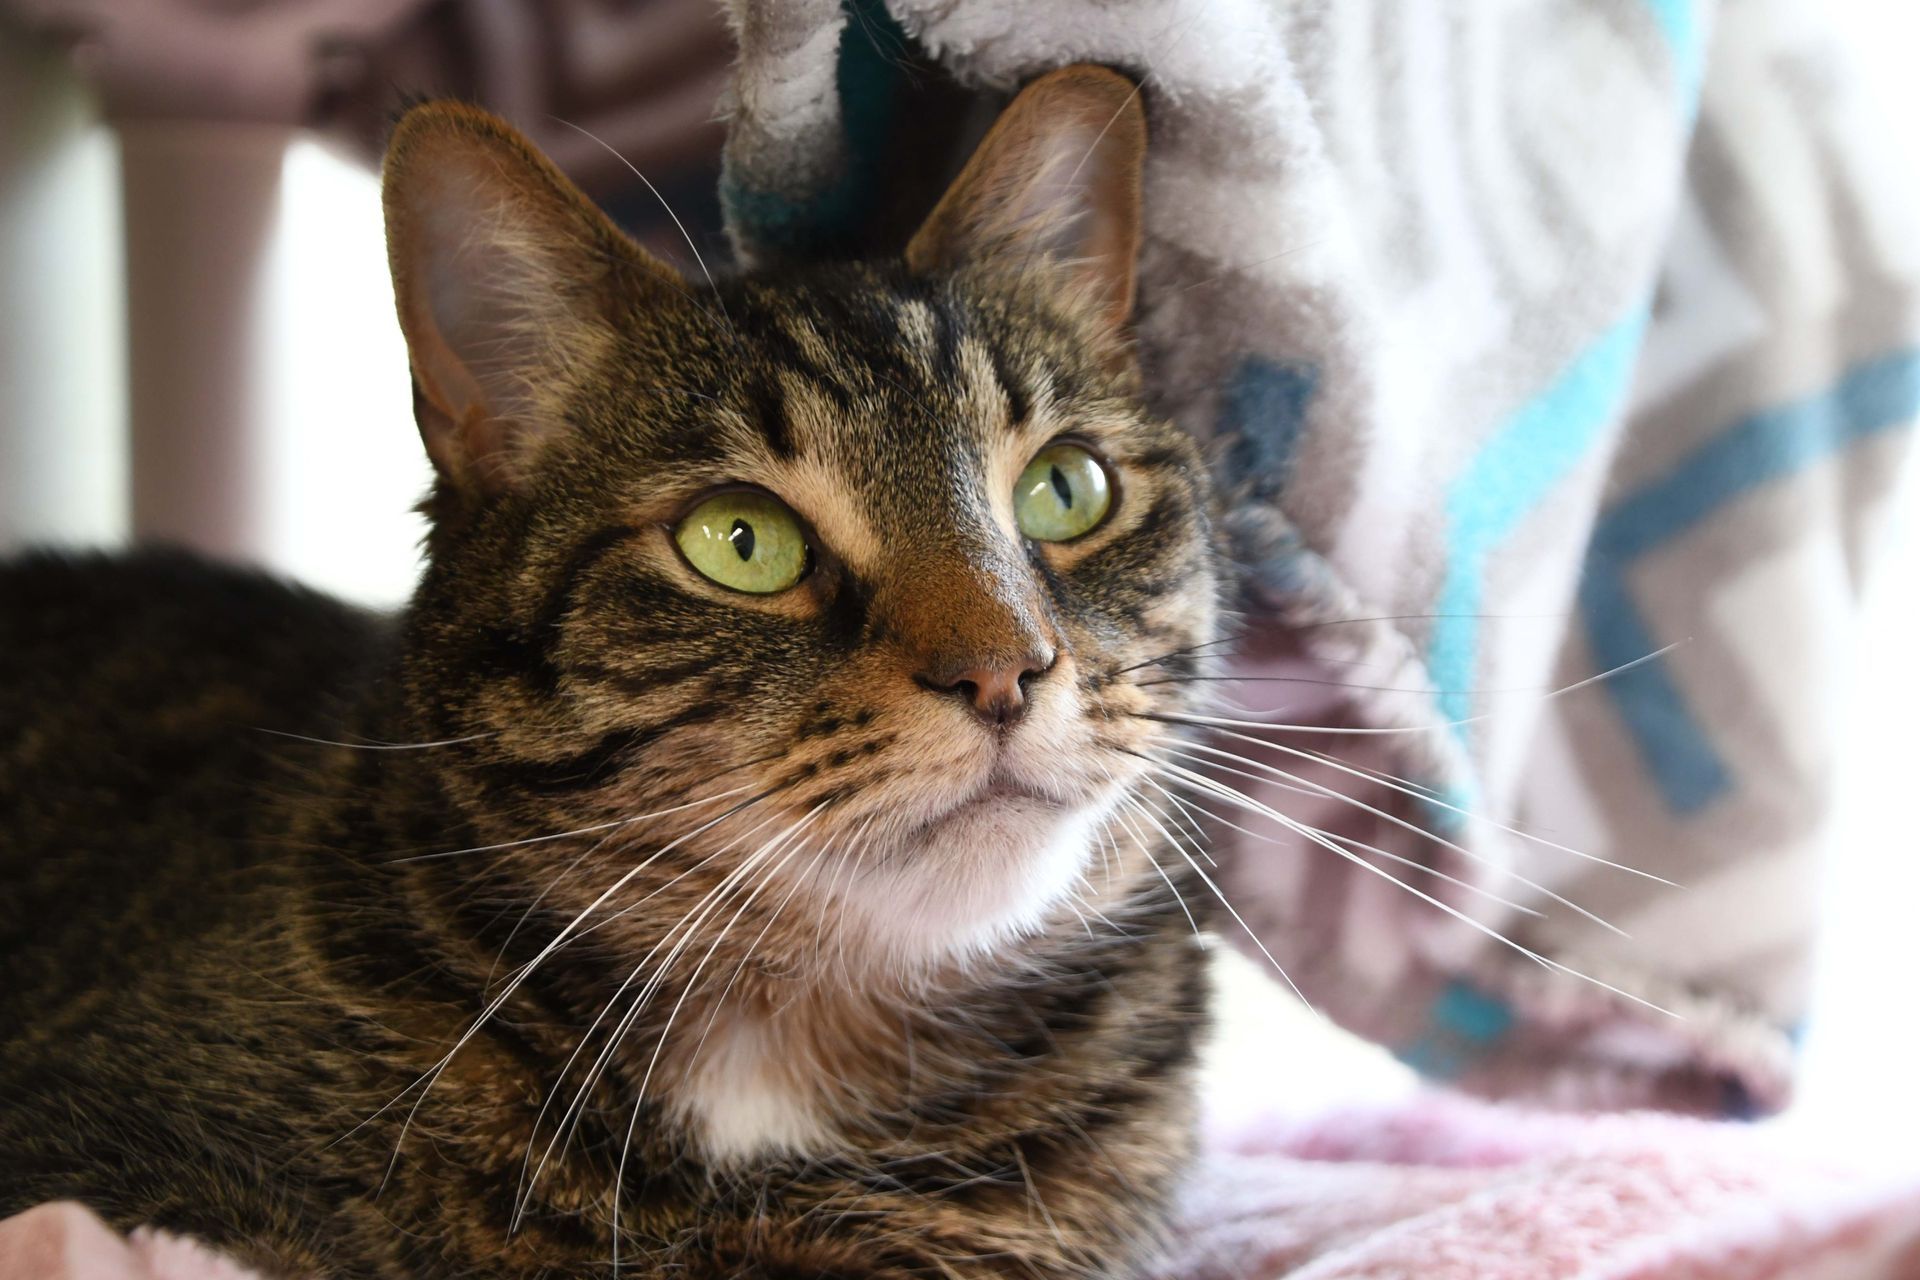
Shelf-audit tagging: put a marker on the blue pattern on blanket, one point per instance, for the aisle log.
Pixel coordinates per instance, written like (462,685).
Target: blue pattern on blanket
(1522,464)
(1760,450)
(1464,1023)
(1263,412)
(1681,28)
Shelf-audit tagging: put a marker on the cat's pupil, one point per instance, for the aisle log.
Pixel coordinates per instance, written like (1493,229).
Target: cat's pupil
(742,539)
(1061,487)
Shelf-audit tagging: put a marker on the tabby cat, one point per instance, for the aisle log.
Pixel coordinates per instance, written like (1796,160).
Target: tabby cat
(733,860)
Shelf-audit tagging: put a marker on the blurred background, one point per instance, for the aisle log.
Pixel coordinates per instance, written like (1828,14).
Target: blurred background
(196,332)
(197,344)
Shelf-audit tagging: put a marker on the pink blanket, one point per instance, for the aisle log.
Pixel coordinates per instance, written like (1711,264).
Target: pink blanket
(1448,1189)
(1440,1189)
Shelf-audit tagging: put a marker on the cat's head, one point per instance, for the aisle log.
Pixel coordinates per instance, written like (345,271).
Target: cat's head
(856,580)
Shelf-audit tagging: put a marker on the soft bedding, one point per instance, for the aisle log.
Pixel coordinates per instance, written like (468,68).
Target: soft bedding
(1437,1188)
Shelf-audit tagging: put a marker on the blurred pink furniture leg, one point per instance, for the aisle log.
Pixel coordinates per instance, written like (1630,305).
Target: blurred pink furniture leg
(200,203)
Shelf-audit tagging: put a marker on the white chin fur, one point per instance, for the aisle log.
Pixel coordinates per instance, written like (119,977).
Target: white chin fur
(962,889)
(973,881)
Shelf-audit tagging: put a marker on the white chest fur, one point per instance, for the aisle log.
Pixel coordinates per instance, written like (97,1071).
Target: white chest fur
(749,1096)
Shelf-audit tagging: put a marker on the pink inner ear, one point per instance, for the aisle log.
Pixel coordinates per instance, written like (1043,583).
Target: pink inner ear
(473,242)
(1085,183)
(461,321)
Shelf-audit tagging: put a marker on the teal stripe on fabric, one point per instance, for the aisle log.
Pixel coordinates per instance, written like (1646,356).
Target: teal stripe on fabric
(1684,32)
(1505,481)
(1464,1024)
(1759,450)
(868,74)
(1471,1014)
(1679,756)
(1766,446)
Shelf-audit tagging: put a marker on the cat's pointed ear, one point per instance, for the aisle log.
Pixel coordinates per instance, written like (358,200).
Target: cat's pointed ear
(506,278)
(1054,185)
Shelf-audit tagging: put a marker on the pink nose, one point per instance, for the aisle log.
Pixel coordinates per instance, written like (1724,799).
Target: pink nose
(996,691)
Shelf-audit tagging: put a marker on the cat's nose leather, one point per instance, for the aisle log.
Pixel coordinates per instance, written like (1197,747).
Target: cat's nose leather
(995,691)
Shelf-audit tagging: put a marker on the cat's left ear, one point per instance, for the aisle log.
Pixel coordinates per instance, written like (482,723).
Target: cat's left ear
(1054,186)
(507,278)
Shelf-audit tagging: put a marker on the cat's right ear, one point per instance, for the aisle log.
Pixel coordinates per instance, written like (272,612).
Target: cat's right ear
(506,278)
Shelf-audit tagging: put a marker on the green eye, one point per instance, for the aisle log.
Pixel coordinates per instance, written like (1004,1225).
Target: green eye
(1063,493)
(745,540)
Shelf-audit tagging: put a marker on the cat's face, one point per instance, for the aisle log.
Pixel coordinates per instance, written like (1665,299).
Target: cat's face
(855,585)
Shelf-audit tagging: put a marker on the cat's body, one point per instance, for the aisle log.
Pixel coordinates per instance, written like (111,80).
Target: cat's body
(207,1020)
(801,930)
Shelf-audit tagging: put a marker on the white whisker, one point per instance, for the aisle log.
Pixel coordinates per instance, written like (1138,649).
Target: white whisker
(677,935)
(578,831)
(1409,863)
(693,248)
(1145,847)
(1425,799)
(426,1082)
(1232,911)
(374,746)
(1190,778)
(640,1094)
(1308,787)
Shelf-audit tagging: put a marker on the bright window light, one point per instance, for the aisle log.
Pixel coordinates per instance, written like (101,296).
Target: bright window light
(344,461)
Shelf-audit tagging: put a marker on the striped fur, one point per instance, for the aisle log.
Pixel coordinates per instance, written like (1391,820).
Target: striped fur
(647,855)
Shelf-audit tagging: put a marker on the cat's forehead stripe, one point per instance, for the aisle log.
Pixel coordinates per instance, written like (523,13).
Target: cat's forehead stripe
(1012,386)
(835,506)
(914,319)
(978,388)
(768,400)
(812,413)
(793,348)
(809,341)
